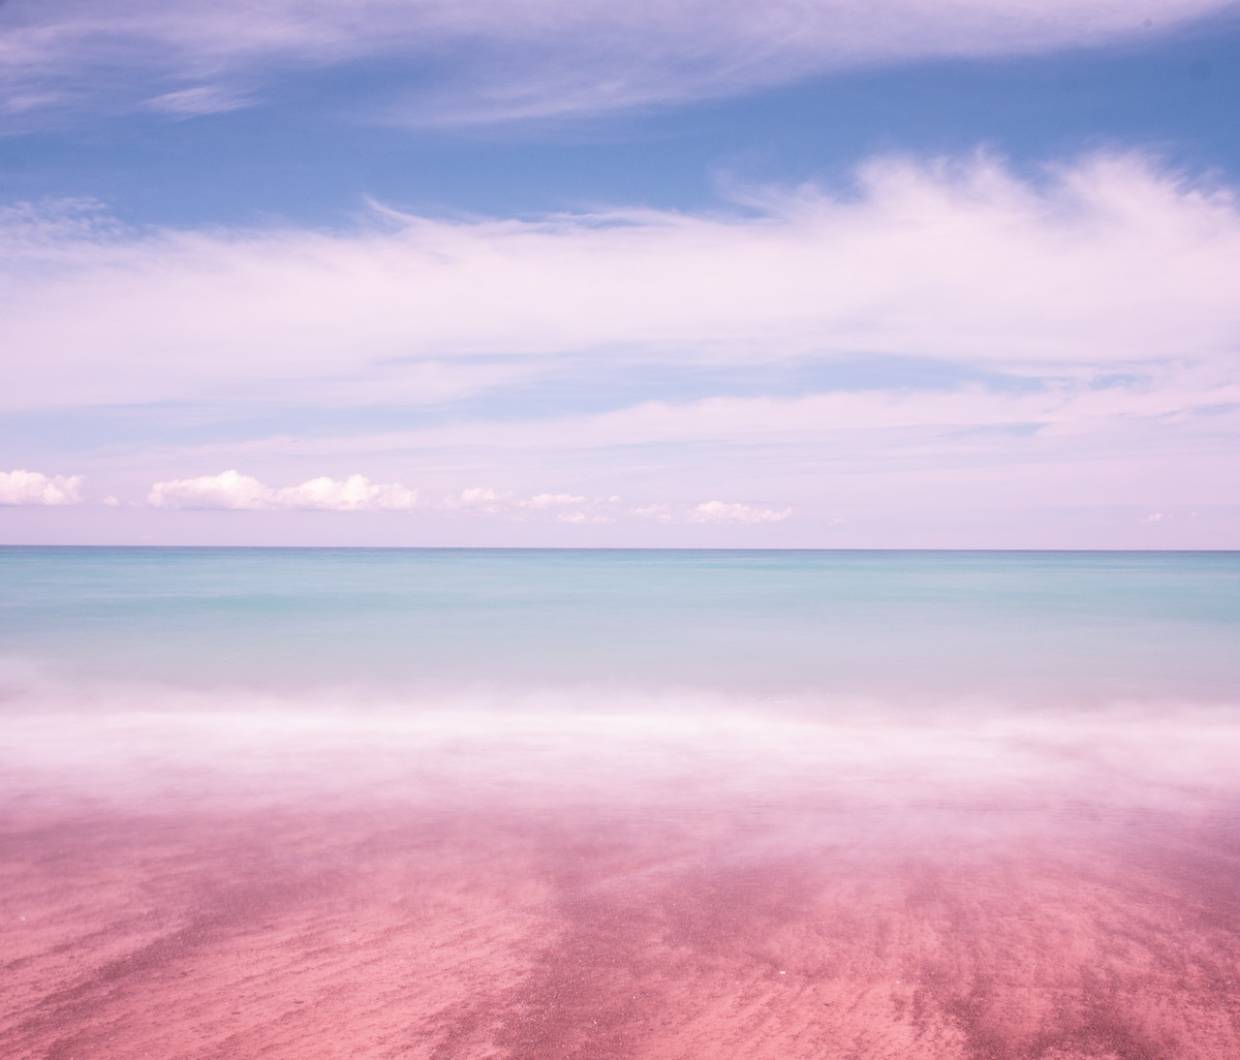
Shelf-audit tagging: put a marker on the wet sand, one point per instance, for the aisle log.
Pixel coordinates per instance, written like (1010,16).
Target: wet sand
(305,894)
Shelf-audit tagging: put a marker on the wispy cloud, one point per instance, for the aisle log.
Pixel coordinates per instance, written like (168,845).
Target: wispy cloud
(199,100)
(21,487)
(502,60)
(1110,263)
(16,103)
(1069,409)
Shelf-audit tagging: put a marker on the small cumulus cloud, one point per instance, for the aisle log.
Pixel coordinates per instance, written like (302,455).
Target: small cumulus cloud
(711,512)
(578,510)
(20,487)
(494,502)
(476,498)
(551,500)
(231,490)
(733,512)
(660,513)
(353,494)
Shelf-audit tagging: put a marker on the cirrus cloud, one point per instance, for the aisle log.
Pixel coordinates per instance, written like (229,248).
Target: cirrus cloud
(196,101)
(464,61)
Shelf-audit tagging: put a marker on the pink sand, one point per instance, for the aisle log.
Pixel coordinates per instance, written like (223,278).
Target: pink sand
(160,910)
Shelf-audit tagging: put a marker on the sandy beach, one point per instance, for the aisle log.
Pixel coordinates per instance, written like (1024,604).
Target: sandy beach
(303,895)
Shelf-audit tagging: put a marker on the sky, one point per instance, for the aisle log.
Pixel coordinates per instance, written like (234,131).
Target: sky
(901,273)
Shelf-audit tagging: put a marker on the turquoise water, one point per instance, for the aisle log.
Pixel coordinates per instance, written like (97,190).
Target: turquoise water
(1063,628)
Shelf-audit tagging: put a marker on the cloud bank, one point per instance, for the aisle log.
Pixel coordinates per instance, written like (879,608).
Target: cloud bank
(462,61)
(1106,264)
(20,487)
(233,491)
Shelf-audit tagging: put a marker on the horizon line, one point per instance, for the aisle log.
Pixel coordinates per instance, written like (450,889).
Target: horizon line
(622,548)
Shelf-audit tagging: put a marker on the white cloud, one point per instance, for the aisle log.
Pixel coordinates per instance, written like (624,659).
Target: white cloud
(229,489)
(660,513)
(477,498)
(584,518)
(234,491)
(353,494)
(20,487)
(1109,262)
(512,59)
(494,502)
(551,500)
(733,512)
(711,512)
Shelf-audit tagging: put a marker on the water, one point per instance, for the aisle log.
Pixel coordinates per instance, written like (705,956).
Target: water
(533,805)
(1073,628)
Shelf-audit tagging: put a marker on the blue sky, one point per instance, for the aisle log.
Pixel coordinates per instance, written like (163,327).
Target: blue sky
(539,273)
